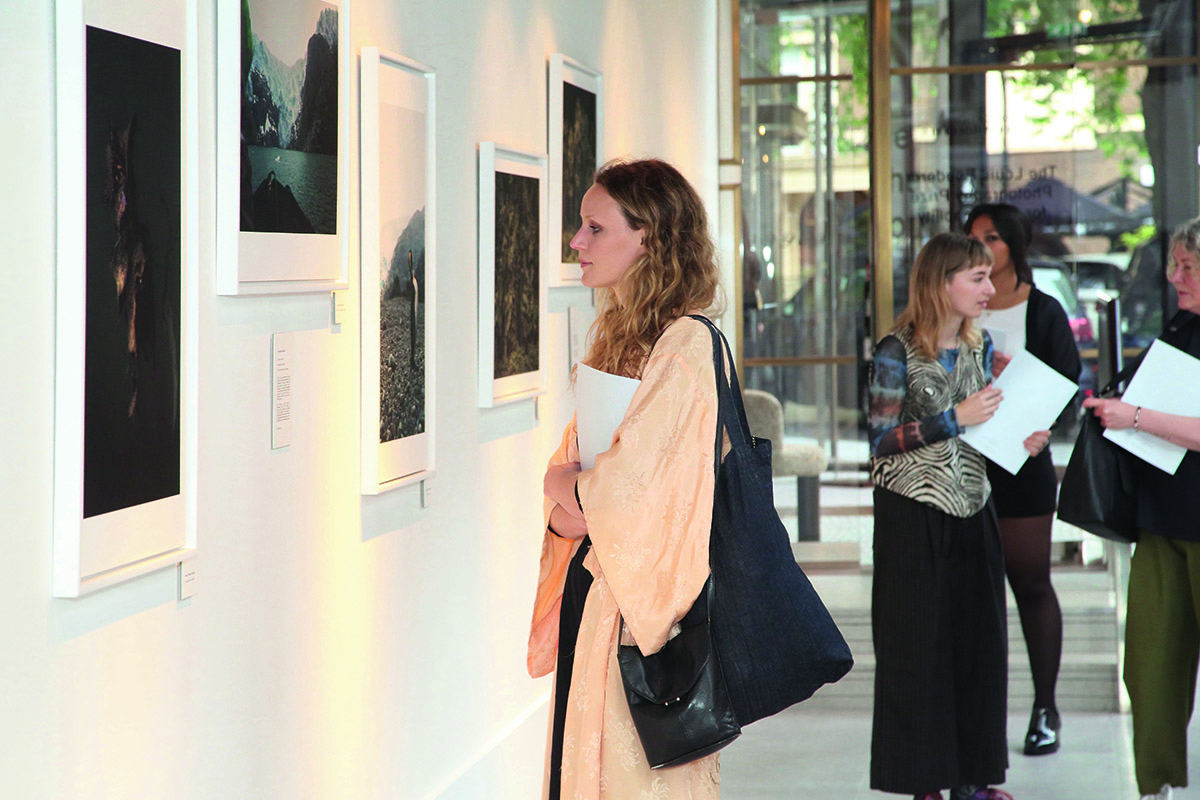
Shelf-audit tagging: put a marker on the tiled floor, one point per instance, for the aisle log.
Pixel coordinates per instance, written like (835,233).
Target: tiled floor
(807,753)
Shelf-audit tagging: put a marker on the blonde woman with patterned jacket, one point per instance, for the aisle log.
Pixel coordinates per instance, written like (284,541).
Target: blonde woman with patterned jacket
(937,608)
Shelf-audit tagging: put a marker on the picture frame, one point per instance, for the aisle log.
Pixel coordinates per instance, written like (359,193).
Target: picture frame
(126,366)
(398,166)
(283,198)
(513,311)
(576,104)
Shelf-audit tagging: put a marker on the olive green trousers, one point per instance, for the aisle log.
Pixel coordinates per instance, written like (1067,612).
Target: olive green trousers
(1162,643)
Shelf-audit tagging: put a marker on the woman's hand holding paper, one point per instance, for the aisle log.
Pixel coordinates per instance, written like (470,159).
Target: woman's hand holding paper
(979,407)
(1036,442)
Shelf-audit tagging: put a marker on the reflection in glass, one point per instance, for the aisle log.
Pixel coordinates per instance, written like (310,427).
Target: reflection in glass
(806,213)
(814,37)
(1039,32)
(1101,159)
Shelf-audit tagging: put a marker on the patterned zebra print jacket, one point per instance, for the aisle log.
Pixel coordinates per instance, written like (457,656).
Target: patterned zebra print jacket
(915,448)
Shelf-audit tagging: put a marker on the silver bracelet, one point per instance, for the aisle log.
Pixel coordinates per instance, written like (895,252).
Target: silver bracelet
(1136,415)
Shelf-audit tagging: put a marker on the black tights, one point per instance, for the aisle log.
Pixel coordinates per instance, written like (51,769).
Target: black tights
(1027,561)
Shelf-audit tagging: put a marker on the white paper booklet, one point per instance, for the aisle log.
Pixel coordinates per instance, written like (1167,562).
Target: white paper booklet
(1034,396)
(1166,381)
(601,400)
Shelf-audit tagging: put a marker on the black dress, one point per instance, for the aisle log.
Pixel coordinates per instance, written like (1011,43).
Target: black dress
(575,590)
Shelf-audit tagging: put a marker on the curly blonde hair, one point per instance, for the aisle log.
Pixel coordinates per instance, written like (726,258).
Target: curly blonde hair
(676,274)
(928,309)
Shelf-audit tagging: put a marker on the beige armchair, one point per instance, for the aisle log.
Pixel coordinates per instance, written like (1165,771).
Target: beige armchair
(806,462)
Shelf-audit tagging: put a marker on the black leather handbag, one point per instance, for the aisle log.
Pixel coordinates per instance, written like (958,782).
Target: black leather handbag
(677,696)
(1098,491)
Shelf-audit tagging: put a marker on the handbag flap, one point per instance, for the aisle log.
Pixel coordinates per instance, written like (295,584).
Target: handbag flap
(665,676)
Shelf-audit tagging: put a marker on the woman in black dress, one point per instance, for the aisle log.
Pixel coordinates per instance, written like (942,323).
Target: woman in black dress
(1025,502)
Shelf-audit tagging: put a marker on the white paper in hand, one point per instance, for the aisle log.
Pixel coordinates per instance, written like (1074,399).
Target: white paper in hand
(601,400)
(1034,396)
(1165,381)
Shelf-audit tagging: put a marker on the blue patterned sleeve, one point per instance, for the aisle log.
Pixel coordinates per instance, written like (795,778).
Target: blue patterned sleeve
(889,383)
(989,358)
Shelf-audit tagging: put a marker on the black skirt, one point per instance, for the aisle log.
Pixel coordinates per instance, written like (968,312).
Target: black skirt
(941,649)
(575,590)
(1032,492)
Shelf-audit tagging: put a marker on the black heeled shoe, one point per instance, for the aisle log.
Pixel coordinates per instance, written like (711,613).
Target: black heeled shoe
(1043,735)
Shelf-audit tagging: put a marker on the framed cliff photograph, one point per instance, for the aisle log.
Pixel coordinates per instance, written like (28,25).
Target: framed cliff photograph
(127,256)
(399,275)
(575,124)
(282,146)
(512,290)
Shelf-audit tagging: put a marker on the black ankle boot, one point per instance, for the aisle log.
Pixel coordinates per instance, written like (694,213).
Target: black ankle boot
(1043,736)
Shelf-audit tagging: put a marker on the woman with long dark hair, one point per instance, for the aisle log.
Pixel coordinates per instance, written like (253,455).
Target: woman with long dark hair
(1030,320)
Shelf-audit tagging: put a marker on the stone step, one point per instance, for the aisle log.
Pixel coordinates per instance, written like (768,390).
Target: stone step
(1087,682)
(1089,630)
(1090,687)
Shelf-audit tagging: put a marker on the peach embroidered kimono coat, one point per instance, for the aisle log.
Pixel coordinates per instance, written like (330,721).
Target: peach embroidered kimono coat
(648,506)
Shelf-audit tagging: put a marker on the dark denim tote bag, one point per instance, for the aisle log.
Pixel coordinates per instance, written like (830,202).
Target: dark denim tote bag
(777,642)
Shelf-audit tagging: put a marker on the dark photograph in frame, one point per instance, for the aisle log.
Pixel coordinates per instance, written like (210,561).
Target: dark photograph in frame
(579,159)
(133,211)
(518,274)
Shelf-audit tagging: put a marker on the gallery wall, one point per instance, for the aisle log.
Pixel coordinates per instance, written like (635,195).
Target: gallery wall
(337,645)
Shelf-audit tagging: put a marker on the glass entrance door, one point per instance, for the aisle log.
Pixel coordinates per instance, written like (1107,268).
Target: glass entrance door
(806,226)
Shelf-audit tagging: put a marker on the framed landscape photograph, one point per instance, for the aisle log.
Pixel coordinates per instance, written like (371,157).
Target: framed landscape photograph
(127,249)
(575,122)
(282,146)
(512,289)
(399,274)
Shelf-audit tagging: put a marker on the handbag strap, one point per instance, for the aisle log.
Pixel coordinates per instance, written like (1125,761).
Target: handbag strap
(1122,376)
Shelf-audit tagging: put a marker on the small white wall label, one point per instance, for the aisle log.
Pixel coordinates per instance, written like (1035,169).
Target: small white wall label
(281,390)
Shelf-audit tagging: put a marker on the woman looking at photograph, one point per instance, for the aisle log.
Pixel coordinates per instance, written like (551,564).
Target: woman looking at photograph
(629,538)
(937,606)
(1030,320)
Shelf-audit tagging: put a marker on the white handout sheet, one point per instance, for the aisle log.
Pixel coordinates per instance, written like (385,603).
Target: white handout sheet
(601,400)
(1034,396)
(1167,380)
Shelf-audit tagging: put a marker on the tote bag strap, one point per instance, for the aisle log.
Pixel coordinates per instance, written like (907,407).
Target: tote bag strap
(731,411)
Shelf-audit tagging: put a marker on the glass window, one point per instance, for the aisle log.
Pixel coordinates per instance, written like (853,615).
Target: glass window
(1029,33)
(803,39)
(1101,157)
(806,214)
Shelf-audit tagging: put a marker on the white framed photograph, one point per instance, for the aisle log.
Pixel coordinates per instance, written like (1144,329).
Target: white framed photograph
(512,286)
(283,134)
(399,269)
(126,298)
(575,125)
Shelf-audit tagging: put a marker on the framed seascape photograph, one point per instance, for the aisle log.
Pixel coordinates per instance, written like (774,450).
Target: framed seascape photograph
(512,290)
(575,123)
(283,68)
(399,275)
(126,295)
